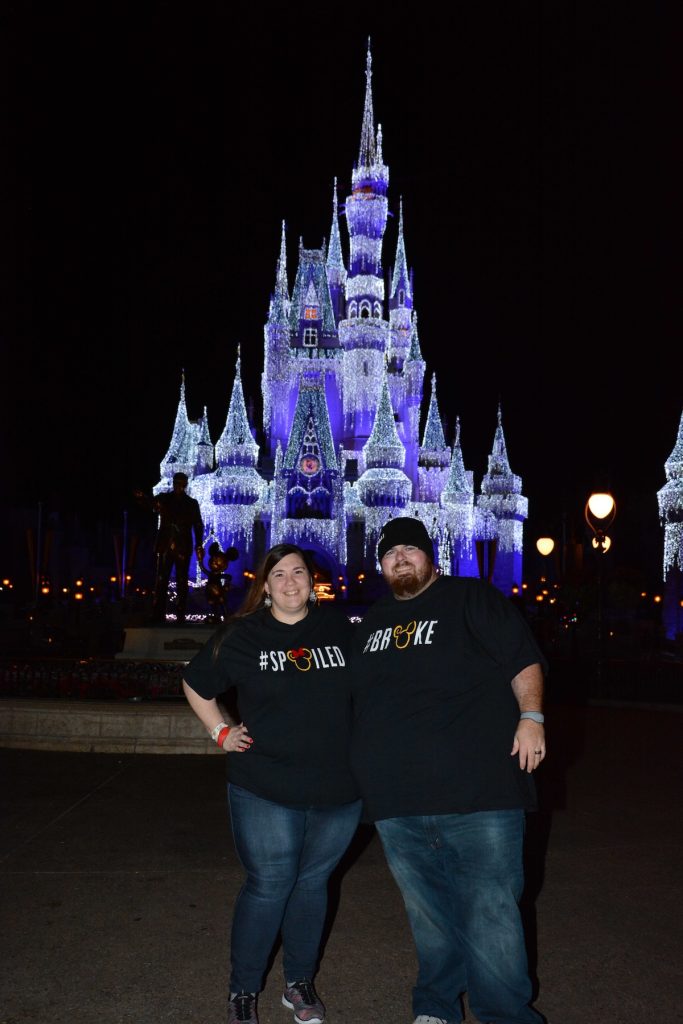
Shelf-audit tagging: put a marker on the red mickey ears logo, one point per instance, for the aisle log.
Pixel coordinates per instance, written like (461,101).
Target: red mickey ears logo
(301,658)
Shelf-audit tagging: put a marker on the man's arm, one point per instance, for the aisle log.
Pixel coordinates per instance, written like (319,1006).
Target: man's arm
(529,743)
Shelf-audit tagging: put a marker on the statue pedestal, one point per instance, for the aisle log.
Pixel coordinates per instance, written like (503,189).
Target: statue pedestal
(165,643)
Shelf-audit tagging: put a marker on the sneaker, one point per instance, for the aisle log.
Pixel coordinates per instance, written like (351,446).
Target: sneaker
(424,1018)
(301,997)
(242,1008)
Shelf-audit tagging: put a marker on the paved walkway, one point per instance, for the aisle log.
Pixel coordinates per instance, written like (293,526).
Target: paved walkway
(118,876)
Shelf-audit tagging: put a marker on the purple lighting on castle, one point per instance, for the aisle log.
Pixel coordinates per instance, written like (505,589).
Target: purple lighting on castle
(343,388)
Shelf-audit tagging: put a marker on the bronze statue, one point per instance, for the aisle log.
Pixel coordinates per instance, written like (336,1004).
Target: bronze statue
(218,581)
(180,516)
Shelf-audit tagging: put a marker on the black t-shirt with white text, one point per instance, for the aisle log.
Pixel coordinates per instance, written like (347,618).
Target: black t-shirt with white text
(292,684)
(434,711)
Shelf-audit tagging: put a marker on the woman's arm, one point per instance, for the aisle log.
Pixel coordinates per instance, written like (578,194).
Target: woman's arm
(209,714)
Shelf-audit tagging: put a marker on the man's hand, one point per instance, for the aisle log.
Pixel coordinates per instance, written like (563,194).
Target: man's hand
(529,744)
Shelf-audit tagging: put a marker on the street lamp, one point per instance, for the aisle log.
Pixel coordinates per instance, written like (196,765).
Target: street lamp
(599,512)
(545,546)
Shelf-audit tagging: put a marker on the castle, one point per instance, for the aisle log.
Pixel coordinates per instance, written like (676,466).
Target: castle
(670,499)
(343,385)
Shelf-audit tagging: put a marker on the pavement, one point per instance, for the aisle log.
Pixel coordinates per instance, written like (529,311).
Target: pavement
(118,877)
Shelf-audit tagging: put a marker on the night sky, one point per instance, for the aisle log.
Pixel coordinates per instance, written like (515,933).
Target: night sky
(151,158)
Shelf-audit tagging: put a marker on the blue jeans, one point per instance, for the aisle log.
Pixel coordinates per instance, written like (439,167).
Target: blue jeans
(461,878)
(288,856)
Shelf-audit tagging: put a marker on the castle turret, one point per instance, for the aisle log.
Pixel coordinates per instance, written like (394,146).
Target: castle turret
(232,497)
(336,270)
(204,446)
(457,501)
(275,380)
(364,333)
(181,456)
(434,456)
(670,499)
(501,510)
(400,302)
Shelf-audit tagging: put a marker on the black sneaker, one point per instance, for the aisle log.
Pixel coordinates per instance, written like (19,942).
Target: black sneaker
(242,1008)
(301,997)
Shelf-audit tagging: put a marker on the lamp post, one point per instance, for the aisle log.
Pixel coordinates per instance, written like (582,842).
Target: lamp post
(599,513)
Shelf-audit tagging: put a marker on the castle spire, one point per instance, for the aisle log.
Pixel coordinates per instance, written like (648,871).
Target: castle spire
(670,499)
(400,280)
(384,447)
(182,451)
(498,459)
(674,464)
(415,353)
(458,483)
(433,439)
(368,150)
(499,478)
(335,256)
(279,307)
(236,445)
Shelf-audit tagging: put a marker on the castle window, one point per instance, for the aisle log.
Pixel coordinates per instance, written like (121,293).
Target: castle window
(310,337)
(311,313)
(401,297)
(365,309)
(353,309)
(377,309)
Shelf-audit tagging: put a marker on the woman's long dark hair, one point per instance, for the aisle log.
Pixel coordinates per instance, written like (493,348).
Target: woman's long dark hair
(255,597)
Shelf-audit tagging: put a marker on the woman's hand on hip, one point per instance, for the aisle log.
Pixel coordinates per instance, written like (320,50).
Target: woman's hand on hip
(238,740)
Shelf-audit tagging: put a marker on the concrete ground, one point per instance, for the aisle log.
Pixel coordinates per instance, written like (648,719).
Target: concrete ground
(118,877)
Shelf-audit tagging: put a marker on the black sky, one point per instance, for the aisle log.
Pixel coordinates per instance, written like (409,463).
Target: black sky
(153,155)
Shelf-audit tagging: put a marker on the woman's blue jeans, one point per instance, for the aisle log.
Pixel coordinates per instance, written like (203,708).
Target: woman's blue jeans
(288,856)
(461,878)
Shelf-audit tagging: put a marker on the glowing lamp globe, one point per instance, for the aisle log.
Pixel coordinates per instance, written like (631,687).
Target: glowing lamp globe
(601,505)
(545,545)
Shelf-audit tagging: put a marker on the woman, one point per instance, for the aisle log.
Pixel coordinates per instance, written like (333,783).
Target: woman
(293,803)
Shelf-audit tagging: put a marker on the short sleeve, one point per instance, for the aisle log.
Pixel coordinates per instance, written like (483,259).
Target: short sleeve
(208,672)
(501,630)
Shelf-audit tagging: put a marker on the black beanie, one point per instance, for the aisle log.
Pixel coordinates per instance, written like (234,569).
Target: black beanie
(405,531)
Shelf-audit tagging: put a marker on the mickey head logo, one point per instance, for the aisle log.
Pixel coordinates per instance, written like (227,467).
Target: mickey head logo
(301,658)
(403,634)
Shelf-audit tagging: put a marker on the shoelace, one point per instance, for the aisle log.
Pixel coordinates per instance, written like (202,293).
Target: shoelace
(242,1003)
(305,990)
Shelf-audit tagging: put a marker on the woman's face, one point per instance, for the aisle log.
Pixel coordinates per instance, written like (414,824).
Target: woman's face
(289,584)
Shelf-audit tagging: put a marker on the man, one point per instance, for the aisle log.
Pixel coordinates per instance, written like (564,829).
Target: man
(448,685)
(179,517)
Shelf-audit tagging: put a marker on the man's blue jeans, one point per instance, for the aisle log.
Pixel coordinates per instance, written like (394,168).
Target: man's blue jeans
(461,878)
(288,856)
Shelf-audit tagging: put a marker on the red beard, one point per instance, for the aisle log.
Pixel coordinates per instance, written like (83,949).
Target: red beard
(409,583)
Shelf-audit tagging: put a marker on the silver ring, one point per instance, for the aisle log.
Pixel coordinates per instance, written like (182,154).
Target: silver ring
(537,752)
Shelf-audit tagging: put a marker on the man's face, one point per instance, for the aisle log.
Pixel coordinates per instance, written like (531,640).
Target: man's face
(179,485)
(407,570)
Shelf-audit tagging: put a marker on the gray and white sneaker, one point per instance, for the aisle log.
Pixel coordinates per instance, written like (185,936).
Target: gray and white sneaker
(242,1008)
(301,997)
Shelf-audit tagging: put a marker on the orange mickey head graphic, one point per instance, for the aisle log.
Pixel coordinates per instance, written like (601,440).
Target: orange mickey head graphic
(301,657)
(403,634)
